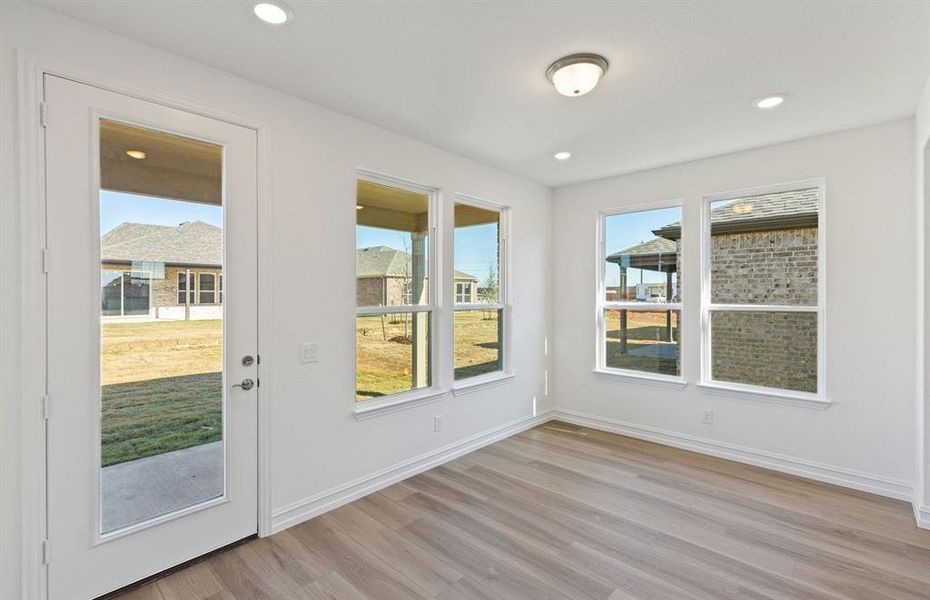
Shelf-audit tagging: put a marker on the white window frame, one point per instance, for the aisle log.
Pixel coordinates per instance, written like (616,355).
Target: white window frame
(503,294)
(187,287)
(707,307)
(201,291)
(601,303)
(367,408)
(463,293)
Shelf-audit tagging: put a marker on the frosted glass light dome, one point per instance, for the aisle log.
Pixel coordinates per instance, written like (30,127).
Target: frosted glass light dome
(578,74)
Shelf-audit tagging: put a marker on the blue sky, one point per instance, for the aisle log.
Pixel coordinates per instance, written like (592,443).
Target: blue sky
(630,229)
(117,207)
(474,247)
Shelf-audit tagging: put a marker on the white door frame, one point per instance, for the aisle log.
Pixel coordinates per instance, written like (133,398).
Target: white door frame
(31,69)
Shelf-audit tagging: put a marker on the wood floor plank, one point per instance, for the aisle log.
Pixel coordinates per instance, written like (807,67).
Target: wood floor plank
(562,511)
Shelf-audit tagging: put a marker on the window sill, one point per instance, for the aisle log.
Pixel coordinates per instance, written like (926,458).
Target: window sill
(474,384)
(669,381)
(375,408)
(767,395)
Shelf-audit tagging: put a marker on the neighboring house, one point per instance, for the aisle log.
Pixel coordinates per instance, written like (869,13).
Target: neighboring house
(764,251)
(384,278)
(162,272)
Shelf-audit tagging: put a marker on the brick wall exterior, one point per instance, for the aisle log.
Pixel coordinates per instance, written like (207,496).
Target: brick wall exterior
(776,350)
(769,267)
(164,292)
(369,291)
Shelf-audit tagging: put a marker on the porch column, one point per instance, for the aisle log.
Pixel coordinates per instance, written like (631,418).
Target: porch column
(419,295)
(623,325)
(668,298)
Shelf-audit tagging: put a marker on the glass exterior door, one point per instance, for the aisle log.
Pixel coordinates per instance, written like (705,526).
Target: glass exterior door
(151,448)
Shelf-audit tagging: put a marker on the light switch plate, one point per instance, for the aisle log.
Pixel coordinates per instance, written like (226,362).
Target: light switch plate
(309,353)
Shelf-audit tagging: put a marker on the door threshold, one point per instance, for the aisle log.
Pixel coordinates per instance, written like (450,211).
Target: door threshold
(179,567)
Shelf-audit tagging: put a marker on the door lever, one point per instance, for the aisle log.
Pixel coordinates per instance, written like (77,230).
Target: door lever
(246,384)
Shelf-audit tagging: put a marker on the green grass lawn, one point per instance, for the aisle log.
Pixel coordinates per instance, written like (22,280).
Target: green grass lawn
(384,361)
(162,383)
(643,329)
(162,387)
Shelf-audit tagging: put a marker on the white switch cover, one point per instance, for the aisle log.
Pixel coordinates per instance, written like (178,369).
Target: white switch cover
(309,353)
(437,423)
(707,417)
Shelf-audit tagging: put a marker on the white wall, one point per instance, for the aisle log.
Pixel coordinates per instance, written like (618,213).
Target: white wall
(867,436)
(317,444)
(922,397)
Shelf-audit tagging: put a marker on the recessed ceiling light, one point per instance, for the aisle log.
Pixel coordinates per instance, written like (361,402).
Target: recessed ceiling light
(767,102)
(577,74)
(272,13)
(136,154)
(562,155)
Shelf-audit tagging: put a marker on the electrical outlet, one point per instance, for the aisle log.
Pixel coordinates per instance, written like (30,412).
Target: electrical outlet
(437,423)
(707,417)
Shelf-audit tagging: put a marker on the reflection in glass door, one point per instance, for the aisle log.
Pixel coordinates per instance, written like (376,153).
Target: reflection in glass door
(161,324)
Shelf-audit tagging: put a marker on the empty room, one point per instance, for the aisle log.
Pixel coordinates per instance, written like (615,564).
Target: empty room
(464,299)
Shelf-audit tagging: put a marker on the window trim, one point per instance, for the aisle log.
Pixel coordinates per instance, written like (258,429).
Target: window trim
(190,290)
(394,402)
(750,391)
(503,294)
(463,293)
(202,291)
(601,304)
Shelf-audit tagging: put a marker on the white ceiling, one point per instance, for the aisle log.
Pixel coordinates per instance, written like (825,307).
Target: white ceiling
(470,76)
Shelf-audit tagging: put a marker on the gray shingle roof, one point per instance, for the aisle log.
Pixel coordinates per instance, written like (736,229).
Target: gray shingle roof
(794,208)
(656,246)
(190,243)
(382,261)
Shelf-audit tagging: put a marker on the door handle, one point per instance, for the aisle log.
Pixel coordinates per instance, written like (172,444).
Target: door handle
(246,384)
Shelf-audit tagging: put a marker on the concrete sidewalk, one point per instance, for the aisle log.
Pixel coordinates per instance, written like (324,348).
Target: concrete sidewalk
(142,489)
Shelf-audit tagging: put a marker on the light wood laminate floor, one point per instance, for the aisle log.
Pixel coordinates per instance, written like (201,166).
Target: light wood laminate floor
(568,512)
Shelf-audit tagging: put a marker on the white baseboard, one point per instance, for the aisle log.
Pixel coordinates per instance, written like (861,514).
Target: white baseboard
(866,482)
(343,494)
(922,515)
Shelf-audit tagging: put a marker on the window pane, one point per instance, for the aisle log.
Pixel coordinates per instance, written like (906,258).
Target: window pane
(764,249)
(643,256)
(478,342)
(771,349)
(161,364)
(207,282)
(642,340)
(391,245)
(476,254)
(392,354)
(111,293)
(136,290)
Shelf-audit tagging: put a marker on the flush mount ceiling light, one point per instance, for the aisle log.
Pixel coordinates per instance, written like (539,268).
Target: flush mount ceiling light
(562,155)
(770,101)
(273,13)
(576,74)
(136,154)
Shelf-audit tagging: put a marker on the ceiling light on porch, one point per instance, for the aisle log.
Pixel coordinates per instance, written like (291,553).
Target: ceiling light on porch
(562,155)
(272,13)
(359,207)
(136,154)
(742,208)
